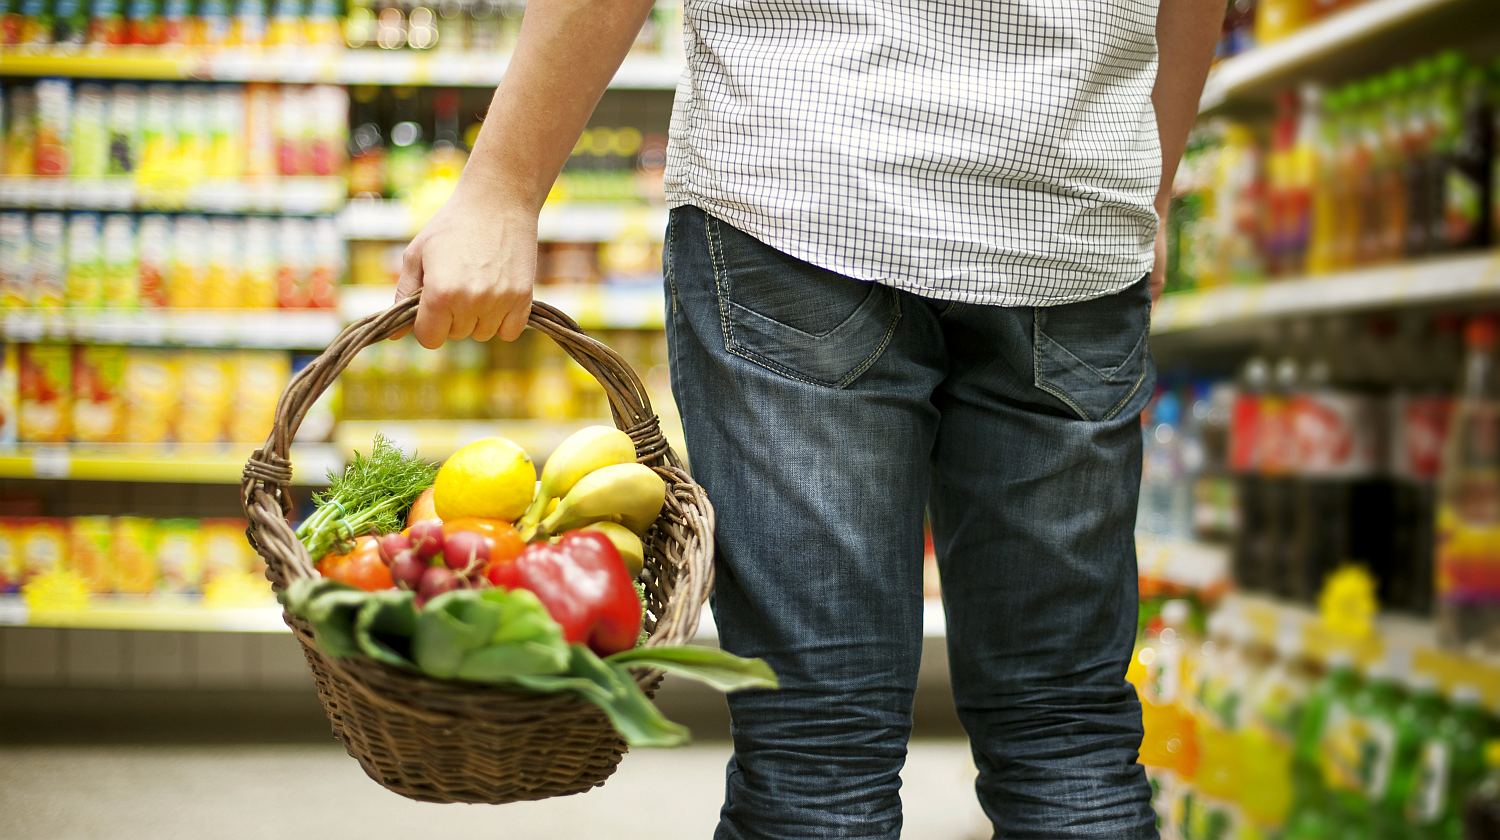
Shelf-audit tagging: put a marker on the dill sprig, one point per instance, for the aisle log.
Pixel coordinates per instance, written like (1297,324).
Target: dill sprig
(373,493)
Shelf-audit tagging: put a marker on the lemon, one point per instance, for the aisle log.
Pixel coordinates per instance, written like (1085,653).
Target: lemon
(491,478)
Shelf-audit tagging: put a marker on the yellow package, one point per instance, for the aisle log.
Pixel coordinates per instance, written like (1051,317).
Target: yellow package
(187,273)
(179,555)
(207,396)
(90,551)
(225,550)
(152,385)
(10,556)
(45,373)
(135,569)
(42,543)
(225,276)
(98,393)
(259,377)
(10,374)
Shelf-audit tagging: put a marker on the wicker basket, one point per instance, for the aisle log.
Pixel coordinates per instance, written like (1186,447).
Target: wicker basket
(440,741)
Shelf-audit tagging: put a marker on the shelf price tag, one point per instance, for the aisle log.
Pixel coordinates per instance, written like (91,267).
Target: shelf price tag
(51,462)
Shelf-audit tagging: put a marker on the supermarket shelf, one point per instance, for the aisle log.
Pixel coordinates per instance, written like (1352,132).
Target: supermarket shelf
(1308,49)
(302,195)
(637,306)
(1425,282)
(376,219)
(1406,642)
(439,438)
(170,464)
(306,65)
(151,612)
(248,328)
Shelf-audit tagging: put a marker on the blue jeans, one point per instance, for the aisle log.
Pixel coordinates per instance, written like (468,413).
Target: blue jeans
(824,416)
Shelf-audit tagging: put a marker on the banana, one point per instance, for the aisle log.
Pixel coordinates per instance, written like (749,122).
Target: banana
(630,494)
(581,453)
(631,549)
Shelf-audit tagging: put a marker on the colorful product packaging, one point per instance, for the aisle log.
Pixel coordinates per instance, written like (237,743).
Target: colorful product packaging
(158,135)
(41,544)
(259,377)
(124,130)
(225,133)
(176,21)
(143,22)
(15,261)
(122,268)
(249,27)
(154,248)
(190,118)
(208,397)
(260,130)
(179,555)
(45,386)
(54,104)
(85,283)
(98,393)
(152,384)
(90,551)
(294,264)
(258,279)
(213,25)
(107,23)
(49,264)
(20,135)
(10,556)
(222,284)
(187,281)
(225,551)
(326,264)
(10,375)
(89,138)
(135,568)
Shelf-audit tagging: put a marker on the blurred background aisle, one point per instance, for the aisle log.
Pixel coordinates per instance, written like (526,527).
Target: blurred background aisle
(195,195)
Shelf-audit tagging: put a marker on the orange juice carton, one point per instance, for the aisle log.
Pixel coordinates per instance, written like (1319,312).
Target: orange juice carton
(98,393)
(225,551)
(152,385)
(188,277)
(10,556)
(259,376)
(15,261)
(155,259)
(49,263)
(90,551)
(41,544)
(258,281)
(10,367)
(223,283)
(44,372)
(135,568)
(85,276)
(207,396)
(122,263)
(294,263)
(179,555)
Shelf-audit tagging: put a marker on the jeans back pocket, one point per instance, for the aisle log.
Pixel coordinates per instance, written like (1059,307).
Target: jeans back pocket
(793,318)
(1094,355)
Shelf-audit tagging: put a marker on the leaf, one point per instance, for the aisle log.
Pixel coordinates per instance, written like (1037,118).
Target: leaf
(385,627)
(333,615)
(496,664)
(302,591)
(449,627)
(615,691)
(523,618)
(720,669)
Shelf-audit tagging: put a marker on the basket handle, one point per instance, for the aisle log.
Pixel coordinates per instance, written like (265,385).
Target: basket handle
(266,485)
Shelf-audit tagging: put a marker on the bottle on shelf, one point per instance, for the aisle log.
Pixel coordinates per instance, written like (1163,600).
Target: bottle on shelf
(1165,493)
(1160,673)
(1482,811)
(1468,542)
(1327,710)
(1397,770)
(1449,763)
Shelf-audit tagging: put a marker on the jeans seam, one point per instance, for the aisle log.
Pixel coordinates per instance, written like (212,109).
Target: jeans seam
(1036,368)
(715,256)
(1119,406)
(668,263)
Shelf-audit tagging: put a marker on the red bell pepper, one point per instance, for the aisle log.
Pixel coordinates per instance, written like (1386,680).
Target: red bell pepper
(582,582)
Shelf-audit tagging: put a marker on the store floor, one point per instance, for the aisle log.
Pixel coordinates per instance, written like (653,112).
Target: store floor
(255,792)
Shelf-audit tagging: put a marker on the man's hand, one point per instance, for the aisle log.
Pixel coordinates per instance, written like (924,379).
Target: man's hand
(1158,279)
(475,263)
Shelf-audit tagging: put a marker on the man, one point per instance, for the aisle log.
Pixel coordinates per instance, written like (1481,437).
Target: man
(906,271)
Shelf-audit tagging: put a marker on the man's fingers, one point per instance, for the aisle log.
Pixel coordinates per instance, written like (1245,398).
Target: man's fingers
(433,324)
(462,324)
(489,324)
(515,319)
(409,282)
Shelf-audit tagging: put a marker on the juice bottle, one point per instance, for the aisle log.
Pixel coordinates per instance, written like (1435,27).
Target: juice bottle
(122,268)
(1415,720)
(1444,102)
(1169,742)
(1278,212)
(1276,19)
(1392,165)
(107,23)
(85,284)
(1468,540)
(1217,704)
(88,143)
(1369,172)
(1277,703)
(1323,236)
(1326,709)
(1302,178)
(124,130)
(1450,761)
(1481,819)
(1419,130)
(1349,164)
(1466,204)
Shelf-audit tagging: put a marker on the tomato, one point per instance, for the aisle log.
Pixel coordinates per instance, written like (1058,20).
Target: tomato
(504,540)
(422,508)
(360,567)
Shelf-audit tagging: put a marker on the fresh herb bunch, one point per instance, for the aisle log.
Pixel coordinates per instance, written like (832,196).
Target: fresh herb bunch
(372,494)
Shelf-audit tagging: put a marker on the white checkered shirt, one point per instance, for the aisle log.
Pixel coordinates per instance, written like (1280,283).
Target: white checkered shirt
(986,151)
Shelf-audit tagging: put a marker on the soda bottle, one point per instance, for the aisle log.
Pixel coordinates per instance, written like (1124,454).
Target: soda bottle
(1249,555)
(1468,542)
(1326,710)
(1285,559)
(1450,761)
(1445,102)
(1482,810)
(1391,165)
(1415,720)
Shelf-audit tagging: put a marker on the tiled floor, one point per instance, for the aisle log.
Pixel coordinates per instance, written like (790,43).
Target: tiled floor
(239,792)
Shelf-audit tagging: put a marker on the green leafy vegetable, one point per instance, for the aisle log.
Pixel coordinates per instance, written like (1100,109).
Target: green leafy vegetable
(333,615)
(488,636)
(616,693)
(384,627)
(710,666)
(372,494)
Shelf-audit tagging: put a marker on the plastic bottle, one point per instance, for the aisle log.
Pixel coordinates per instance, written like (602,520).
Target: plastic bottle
(1466,184)
(1280,472)
(1325,225)
(1482,811)
(1327,710)
(1277,702)
(1357,745)
(1468,542)
(1445,104)
(1450,761)
(1418,136)
(1391,163)
(1217,705)
(1169,742)
(1164,492)
(1249,548)
(1415,720)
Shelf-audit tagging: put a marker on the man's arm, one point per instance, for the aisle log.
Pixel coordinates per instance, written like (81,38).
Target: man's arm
(476,260)
(1186,31)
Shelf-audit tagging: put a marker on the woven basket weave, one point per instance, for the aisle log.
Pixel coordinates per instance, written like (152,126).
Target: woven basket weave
(441,741)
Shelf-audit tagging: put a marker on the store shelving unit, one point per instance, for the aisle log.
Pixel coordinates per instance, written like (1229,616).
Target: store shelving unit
(377,219)
(1310,49)
(624,307)
(1446,280)
(283,329)
(171,463)
(297,196)
(306,65)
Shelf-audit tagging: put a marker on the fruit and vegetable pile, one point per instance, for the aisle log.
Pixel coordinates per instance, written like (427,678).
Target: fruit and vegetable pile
(477,571)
